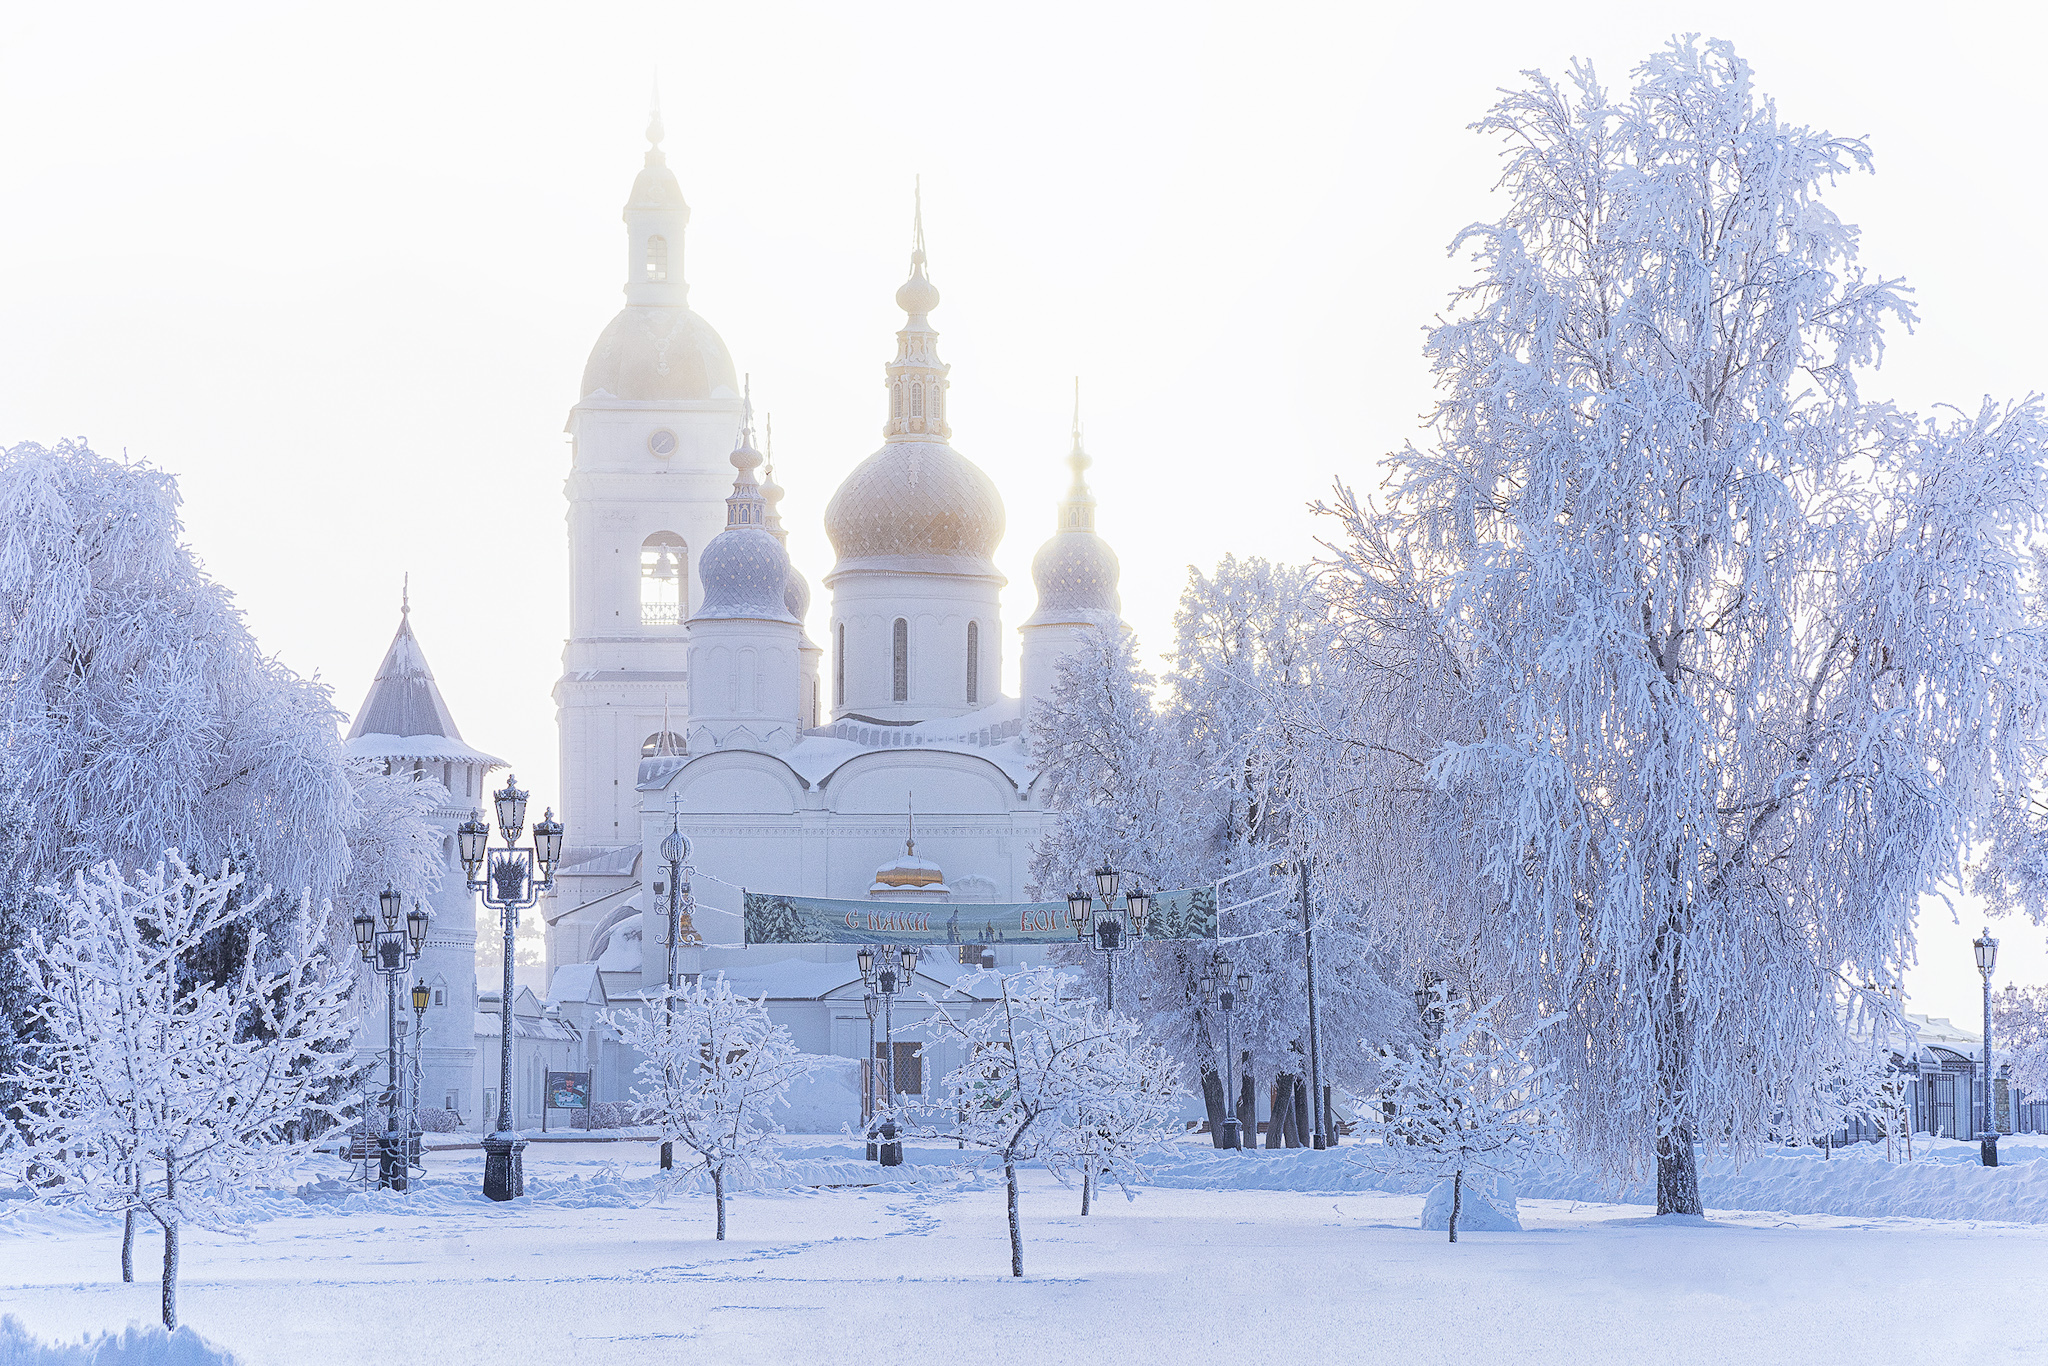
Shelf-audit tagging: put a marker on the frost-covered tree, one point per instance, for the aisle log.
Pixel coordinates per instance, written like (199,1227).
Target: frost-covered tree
(136,712)
(713,1067)
(1468,1101)
(393,842)
(1051,1078)
(2019,1025)
(1731,665)
(166,1082)
(1211,782)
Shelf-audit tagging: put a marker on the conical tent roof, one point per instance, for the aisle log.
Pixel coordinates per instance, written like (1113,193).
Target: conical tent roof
(405,705)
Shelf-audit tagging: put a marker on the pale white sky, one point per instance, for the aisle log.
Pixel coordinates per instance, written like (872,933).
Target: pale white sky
(338,267)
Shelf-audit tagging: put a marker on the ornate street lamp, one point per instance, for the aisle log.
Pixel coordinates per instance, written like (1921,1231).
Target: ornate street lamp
(512,879)
(887,983)
(1108,932)
(389,951)
(1225,994)
(1987,1135)
(675,851)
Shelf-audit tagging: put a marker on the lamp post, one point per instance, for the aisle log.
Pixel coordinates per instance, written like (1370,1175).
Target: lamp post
(675,849)
(867,1090)
(886,983)
(422,997)
(514,880)
(1226,994)
(389,951)
(1105,932)
(1987,1135)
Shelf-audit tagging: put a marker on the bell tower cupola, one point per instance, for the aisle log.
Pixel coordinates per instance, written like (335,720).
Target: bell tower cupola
(656,218)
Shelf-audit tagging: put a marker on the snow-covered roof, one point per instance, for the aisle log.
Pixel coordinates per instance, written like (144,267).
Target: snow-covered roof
(527,1027)
(994,733)
(404,715)
(618,862)
(577,983)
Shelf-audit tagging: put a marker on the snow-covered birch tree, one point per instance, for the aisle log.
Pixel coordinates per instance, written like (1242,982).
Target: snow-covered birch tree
(166,1082)
(1468,1101)
(137,714)
(1051,1078)
(1737,663)
(713,1067)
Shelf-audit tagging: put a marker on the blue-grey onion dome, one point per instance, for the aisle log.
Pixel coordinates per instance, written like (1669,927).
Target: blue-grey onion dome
(917,499)
(745,573)
(657,351)
(1076,576)
(796,594)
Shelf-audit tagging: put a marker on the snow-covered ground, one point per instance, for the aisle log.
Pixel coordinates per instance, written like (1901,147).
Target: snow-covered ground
(1267,1256)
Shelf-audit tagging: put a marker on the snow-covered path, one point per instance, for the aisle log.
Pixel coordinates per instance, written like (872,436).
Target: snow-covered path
(584,1272)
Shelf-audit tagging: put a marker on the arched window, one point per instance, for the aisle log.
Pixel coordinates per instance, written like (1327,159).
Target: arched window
(839,669)
(902,660)
(973,662)
(657,258)
(897,401)
(917,400)
(652,745)
(664,565)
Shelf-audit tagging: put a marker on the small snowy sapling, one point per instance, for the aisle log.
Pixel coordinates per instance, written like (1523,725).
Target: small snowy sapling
(713,1066)
(185,1059)
(1468,1102)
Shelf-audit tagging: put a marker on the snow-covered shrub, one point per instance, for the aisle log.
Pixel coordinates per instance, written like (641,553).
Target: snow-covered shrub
(614,1114)
(436,1120)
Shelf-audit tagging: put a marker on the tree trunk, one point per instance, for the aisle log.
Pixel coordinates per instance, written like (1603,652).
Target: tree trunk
(1457,1201)
(128,1244)
(718,1190)
(1678,1175)
(1016,1233)
(170,1222)
(1277,1129)
(1087,1183)
(1248,1107)
(1213,1101)
(1304,1114)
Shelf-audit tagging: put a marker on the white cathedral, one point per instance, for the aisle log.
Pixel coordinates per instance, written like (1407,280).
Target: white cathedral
(884,764)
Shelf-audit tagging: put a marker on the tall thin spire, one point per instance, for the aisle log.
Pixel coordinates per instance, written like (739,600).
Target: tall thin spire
(1077,509)
(910,825)
(664,744)
(405,595)
(655,131)
(917,377)
(745,506)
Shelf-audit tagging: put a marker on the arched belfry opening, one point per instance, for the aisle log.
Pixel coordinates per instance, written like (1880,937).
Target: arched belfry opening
(664,574)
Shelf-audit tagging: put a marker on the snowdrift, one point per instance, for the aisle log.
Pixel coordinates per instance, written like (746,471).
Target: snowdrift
(1945,1181)
(134,1345)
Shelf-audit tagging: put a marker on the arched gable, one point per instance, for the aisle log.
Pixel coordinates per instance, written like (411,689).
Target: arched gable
(731,782)
(935,780)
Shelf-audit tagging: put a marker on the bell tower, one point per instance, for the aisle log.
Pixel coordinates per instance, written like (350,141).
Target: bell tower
(655,415)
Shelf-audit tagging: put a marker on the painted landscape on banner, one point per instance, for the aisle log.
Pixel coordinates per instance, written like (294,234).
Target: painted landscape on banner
(773,918)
